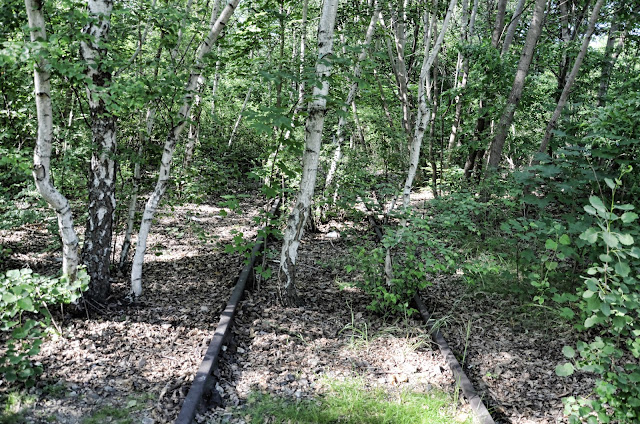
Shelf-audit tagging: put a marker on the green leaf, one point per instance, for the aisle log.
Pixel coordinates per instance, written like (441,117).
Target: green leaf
(590,210)
(628,217)
(610,239)
(587,294)
(565,369)
(591,321)
(619,322)
(551,265)
(605,258)
(606,309)
(622,269)
(26,304)
(568,352)
(625,239)
(550,244)
(610,183)
(597,204)
(9,297)
(590,235)
(566,313)
(564,240)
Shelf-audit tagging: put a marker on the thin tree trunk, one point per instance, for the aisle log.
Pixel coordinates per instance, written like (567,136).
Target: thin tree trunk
(303,49)
(611,54)
(170,145)
(465,37)
(499,24)
(131,212)
(495,150)
(350,100)
(314,125)
(422,114)
(237,124)
(96,251)
(511,29)
(194,127)
(42,151)
(571,78)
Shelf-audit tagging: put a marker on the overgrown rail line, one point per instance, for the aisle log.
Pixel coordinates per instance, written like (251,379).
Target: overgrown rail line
(203,386)
(203,390)
(462,380)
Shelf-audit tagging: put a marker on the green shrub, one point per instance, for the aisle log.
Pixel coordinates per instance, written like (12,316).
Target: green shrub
(416,256)
(609,305)
(24,315)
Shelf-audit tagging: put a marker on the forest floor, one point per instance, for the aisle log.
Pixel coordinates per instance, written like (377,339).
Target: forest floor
(133,362)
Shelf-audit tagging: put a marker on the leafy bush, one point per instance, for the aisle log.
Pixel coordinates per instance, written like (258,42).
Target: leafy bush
(416,256)
(609,304)
(24,315)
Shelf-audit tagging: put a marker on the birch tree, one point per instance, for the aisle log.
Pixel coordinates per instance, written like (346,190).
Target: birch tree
(533,34)
(42,151)
(96,251)
(313,141)
(170,144)
(353,89)
(571,78)
(423,112)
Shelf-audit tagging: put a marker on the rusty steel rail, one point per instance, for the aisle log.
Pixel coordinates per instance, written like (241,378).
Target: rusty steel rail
(203,386)
(477,406)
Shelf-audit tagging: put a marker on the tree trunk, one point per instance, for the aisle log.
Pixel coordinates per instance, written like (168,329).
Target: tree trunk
(96,251)
(350,100)
(170,144)
(313,129)
(422,114)
(237,124)
(495,150)
(42,151)
(571,78)
(511,29)
(465,37)
(499,24)
(611,54)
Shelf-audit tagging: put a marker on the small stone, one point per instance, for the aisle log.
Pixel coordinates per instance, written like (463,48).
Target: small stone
(240,350)
(291,378)
(204,308)
(72,394)
(147,420)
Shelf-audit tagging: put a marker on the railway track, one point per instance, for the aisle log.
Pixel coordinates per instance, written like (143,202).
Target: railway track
(203,390)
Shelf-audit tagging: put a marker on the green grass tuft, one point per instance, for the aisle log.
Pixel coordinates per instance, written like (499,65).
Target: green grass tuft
(352,402)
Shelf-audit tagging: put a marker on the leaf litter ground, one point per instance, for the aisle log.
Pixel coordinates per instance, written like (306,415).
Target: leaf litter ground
(134,362)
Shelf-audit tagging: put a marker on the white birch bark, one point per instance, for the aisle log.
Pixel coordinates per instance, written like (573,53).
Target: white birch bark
(303,49)
(313,128)
(353,90)
(194,126)
(96,251)
(422,114)
(465,36)
(170,145)
(571,78)
(42,151)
